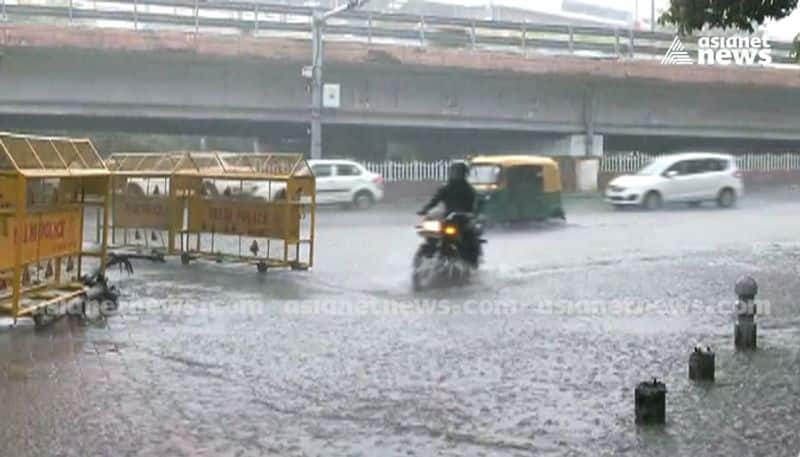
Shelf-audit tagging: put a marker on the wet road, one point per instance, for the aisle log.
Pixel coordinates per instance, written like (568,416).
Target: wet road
(538,357)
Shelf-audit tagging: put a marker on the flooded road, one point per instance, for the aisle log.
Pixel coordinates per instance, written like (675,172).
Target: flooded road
(539,356)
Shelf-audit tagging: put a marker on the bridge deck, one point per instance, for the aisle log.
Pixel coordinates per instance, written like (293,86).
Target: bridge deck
(299,50)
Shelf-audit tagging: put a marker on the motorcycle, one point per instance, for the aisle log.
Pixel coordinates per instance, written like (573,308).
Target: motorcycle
(442,257)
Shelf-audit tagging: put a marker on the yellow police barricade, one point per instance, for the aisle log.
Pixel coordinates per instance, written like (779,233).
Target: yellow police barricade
(46,186)
(145,212)
(256,208)
(236,207)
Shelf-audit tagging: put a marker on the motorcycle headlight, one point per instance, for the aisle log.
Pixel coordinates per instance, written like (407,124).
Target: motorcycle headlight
(432,226)
(450,230)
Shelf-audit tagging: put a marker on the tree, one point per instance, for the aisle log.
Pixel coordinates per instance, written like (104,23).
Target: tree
(691,15)
(796,53)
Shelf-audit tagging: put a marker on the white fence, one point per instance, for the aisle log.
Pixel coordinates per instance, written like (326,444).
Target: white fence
(410,171)
(416,171)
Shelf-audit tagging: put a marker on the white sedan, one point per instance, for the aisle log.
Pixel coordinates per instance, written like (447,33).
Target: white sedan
(346,182)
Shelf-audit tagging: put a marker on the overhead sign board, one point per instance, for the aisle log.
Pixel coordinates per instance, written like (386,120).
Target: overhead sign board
(331,96)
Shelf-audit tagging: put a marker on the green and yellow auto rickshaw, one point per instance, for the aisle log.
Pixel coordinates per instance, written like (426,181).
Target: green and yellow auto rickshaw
(517,188)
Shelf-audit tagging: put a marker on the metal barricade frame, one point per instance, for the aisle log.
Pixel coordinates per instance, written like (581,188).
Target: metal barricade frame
(46,186)
(208,204)
(143,198)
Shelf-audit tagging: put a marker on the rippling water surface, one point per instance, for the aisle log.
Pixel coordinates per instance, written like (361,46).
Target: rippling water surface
(539,356)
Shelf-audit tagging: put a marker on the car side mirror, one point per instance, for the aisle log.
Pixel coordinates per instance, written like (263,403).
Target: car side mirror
(671,173)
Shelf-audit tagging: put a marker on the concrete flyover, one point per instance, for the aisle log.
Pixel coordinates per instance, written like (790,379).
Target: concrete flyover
(69,77)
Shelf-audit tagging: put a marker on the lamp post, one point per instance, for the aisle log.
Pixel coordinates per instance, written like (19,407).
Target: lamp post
(317,26)
(652,15)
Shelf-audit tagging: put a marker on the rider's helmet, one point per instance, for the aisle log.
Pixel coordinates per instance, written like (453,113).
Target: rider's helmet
(458,171)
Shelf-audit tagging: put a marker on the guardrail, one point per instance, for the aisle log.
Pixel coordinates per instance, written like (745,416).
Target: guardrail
(260,19)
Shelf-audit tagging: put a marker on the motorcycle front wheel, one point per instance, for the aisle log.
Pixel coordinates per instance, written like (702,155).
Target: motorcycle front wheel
(423,276)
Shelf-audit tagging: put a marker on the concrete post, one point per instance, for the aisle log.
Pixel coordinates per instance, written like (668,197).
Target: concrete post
(589,105)
(745,329)
(701,364)
(650,401)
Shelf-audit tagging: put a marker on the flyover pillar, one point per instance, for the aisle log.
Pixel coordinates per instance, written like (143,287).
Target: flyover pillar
(579,158)
(586,152)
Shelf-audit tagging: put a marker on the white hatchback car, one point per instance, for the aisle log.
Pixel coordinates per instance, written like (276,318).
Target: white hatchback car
(690,178)
(346,182)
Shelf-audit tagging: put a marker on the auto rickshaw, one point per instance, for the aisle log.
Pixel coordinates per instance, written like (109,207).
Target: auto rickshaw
(516,188)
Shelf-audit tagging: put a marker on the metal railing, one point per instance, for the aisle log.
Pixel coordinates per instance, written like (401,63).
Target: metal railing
(632,162)
(415,171)
(260,19)
(614,163)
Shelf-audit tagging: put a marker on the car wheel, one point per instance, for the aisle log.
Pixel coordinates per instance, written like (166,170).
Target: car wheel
(363,200)
(652,200)
(726,198)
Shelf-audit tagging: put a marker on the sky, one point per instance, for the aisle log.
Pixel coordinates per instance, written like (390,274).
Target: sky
(784,30)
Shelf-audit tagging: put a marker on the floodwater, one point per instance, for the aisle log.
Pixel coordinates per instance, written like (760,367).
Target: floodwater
(539,356)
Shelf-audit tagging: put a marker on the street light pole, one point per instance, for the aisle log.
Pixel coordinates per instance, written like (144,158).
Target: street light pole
(316,85)
(652,15)
(317,27)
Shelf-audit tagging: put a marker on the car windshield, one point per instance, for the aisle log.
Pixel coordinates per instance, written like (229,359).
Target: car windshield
(654,168)
(484,174)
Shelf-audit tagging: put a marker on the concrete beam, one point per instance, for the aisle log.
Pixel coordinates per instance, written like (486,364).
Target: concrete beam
(128,91)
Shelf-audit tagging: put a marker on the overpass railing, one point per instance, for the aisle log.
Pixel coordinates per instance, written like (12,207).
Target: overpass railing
(269,20)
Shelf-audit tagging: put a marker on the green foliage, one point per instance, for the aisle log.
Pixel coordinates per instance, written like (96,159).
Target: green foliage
(796,53)
(691,15)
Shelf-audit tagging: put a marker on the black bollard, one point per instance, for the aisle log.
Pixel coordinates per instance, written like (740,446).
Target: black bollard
(745,329)
(651,403)
(701,364)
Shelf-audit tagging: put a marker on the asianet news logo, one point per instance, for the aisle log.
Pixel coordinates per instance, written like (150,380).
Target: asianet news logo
(733,50)
(716,50)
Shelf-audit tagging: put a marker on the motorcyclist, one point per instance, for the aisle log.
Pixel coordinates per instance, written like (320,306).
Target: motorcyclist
(458,196)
